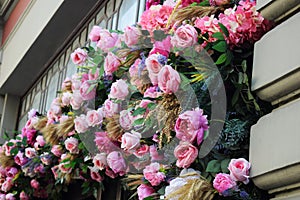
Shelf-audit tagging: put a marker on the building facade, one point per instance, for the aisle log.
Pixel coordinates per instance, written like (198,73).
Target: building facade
(37,38)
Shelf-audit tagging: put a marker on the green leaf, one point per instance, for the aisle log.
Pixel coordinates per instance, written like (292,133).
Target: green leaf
(244,65)
(218,35)
(10,144)
(145,32)
(161,191)
(137,122)
(14,151)
(241,77)
(224,165)
(149,198)
(235,97)
(101,71)
(221,59)
(184,81)
(204,3)
(221,46)
(214,166)
(139,111)
(224,29)
(81,146)
(151,106)
(91,88)
(159,35)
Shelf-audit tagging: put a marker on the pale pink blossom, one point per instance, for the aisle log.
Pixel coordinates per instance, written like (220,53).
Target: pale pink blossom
(76,100)
(86,92)
(103,142)
(7,185)
(111,63)
(71,144)
(119,90)
(100,161)
(57,150)
(110,108)
(95,174)
(81,124)
(107,40)
(185,36)
(79,56)
(168,80)
(144,191)
(131,141)
(126,119)
(94,117)
(141,151)
(116,162)
(34,184)
(24,196)
(153,67)
(239,170)
(94,35)
(66,98)
(186,154)
(30,152)
(153,175)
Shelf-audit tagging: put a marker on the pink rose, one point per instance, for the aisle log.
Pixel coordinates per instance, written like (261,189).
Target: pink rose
(110,108)
(107,40)
(168,80)
(223,182)
(94,117)
(186,154)
(64,165)
(20,159)
(153,175)
(11,172)
(85,91)
(144,191)
(31,122)
(72,145)
(111,63)
(81,124)
(141,151)
(218,2)
(119,90)
(103,142)
(100,161)
(24,196)
(153,67)
(239,170)
(76,100)
(40,140)
(7,185)
(162,47)
(34,184)
(152,92)
(30,152)
(125,119)
(10,196)
(131,35)
(46,158)
(57,150)
(95,175)
(150,3)
(76,83)
(66,98)
(185,36)
(55,171)
(79,56)
(116,162)
(131,141)
(94,35)
(29,134)
(191,125)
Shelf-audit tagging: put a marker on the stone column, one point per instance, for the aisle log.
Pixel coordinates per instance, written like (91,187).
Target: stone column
(275,139)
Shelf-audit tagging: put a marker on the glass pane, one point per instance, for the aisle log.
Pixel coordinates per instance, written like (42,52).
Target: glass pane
(51,94)
(127,13)
(36,101)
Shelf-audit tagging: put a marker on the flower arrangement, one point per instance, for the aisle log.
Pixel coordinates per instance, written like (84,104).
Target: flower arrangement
(165,107)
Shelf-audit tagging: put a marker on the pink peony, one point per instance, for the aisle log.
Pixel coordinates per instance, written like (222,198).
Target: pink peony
(116,162)
(126,119)
(144,191)
(239,170)
(110,108)
(94,35)
(56,150)
(208,25)
(153,175)
(131,35)
(119,90)
(24,196)
(186,154)
(168,80)
(223,182)
(107,40)
(79,56)
(100,161)
(81,124)
(185,36)
(94,117)
(156,18)
(34,184)
(191,125)
(29,134)
(86,92)
(72,145)
(130,141)
(30,152)
(111,63)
